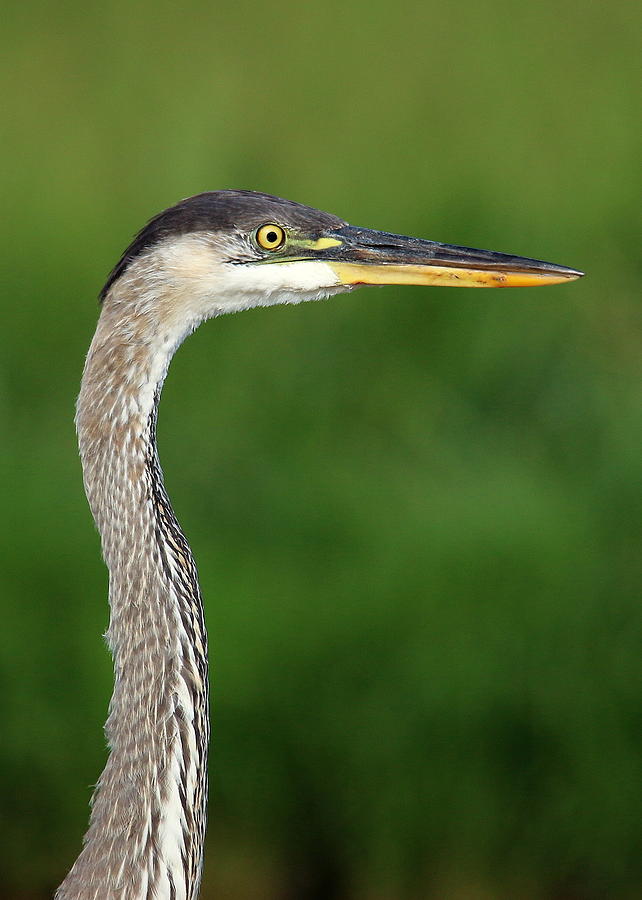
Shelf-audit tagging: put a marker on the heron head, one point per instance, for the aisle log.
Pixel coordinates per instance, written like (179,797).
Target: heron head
(224,251)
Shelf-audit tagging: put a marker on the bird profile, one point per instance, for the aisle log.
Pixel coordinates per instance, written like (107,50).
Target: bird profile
(214,253)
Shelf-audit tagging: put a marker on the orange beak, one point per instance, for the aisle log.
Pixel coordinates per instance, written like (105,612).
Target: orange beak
(361,256)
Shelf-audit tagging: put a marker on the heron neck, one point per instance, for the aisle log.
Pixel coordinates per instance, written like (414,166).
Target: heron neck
(148,812)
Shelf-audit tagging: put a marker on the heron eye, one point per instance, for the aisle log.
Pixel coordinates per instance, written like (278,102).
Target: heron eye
(270,237)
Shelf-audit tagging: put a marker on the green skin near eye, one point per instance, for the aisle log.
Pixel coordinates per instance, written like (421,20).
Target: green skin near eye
(297,242)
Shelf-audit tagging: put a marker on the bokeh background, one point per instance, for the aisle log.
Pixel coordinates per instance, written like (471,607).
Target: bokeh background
(417,513)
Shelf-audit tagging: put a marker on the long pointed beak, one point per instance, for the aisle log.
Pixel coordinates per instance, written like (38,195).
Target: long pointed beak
(361,256)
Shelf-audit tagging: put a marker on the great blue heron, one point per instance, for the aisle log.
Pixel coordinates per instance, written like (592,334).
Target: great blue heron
(214,253)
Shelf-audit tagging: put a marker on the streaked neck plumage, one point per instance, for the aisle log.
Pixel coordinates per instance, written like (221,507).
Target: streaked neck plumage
(147,825)
(145,837)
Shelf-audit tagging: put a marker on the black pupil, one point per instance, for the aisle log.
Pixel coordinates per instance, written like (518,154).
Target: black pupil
(272,237)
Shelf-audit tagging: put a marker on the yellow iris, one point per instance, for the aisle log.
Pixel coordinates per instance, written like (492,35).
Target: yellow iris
(270,237)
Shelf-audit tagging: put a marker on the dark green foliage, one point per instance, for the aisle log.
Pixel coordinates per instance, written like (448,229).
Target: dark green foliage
(417,513)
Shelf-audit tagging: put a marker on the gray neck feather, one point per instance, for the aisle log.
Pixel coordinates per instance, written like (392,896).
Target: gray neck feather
(145,837)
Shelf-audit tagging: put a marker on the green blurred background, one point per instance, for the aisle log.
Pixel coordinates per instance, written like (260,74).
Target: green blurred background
(417,513)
